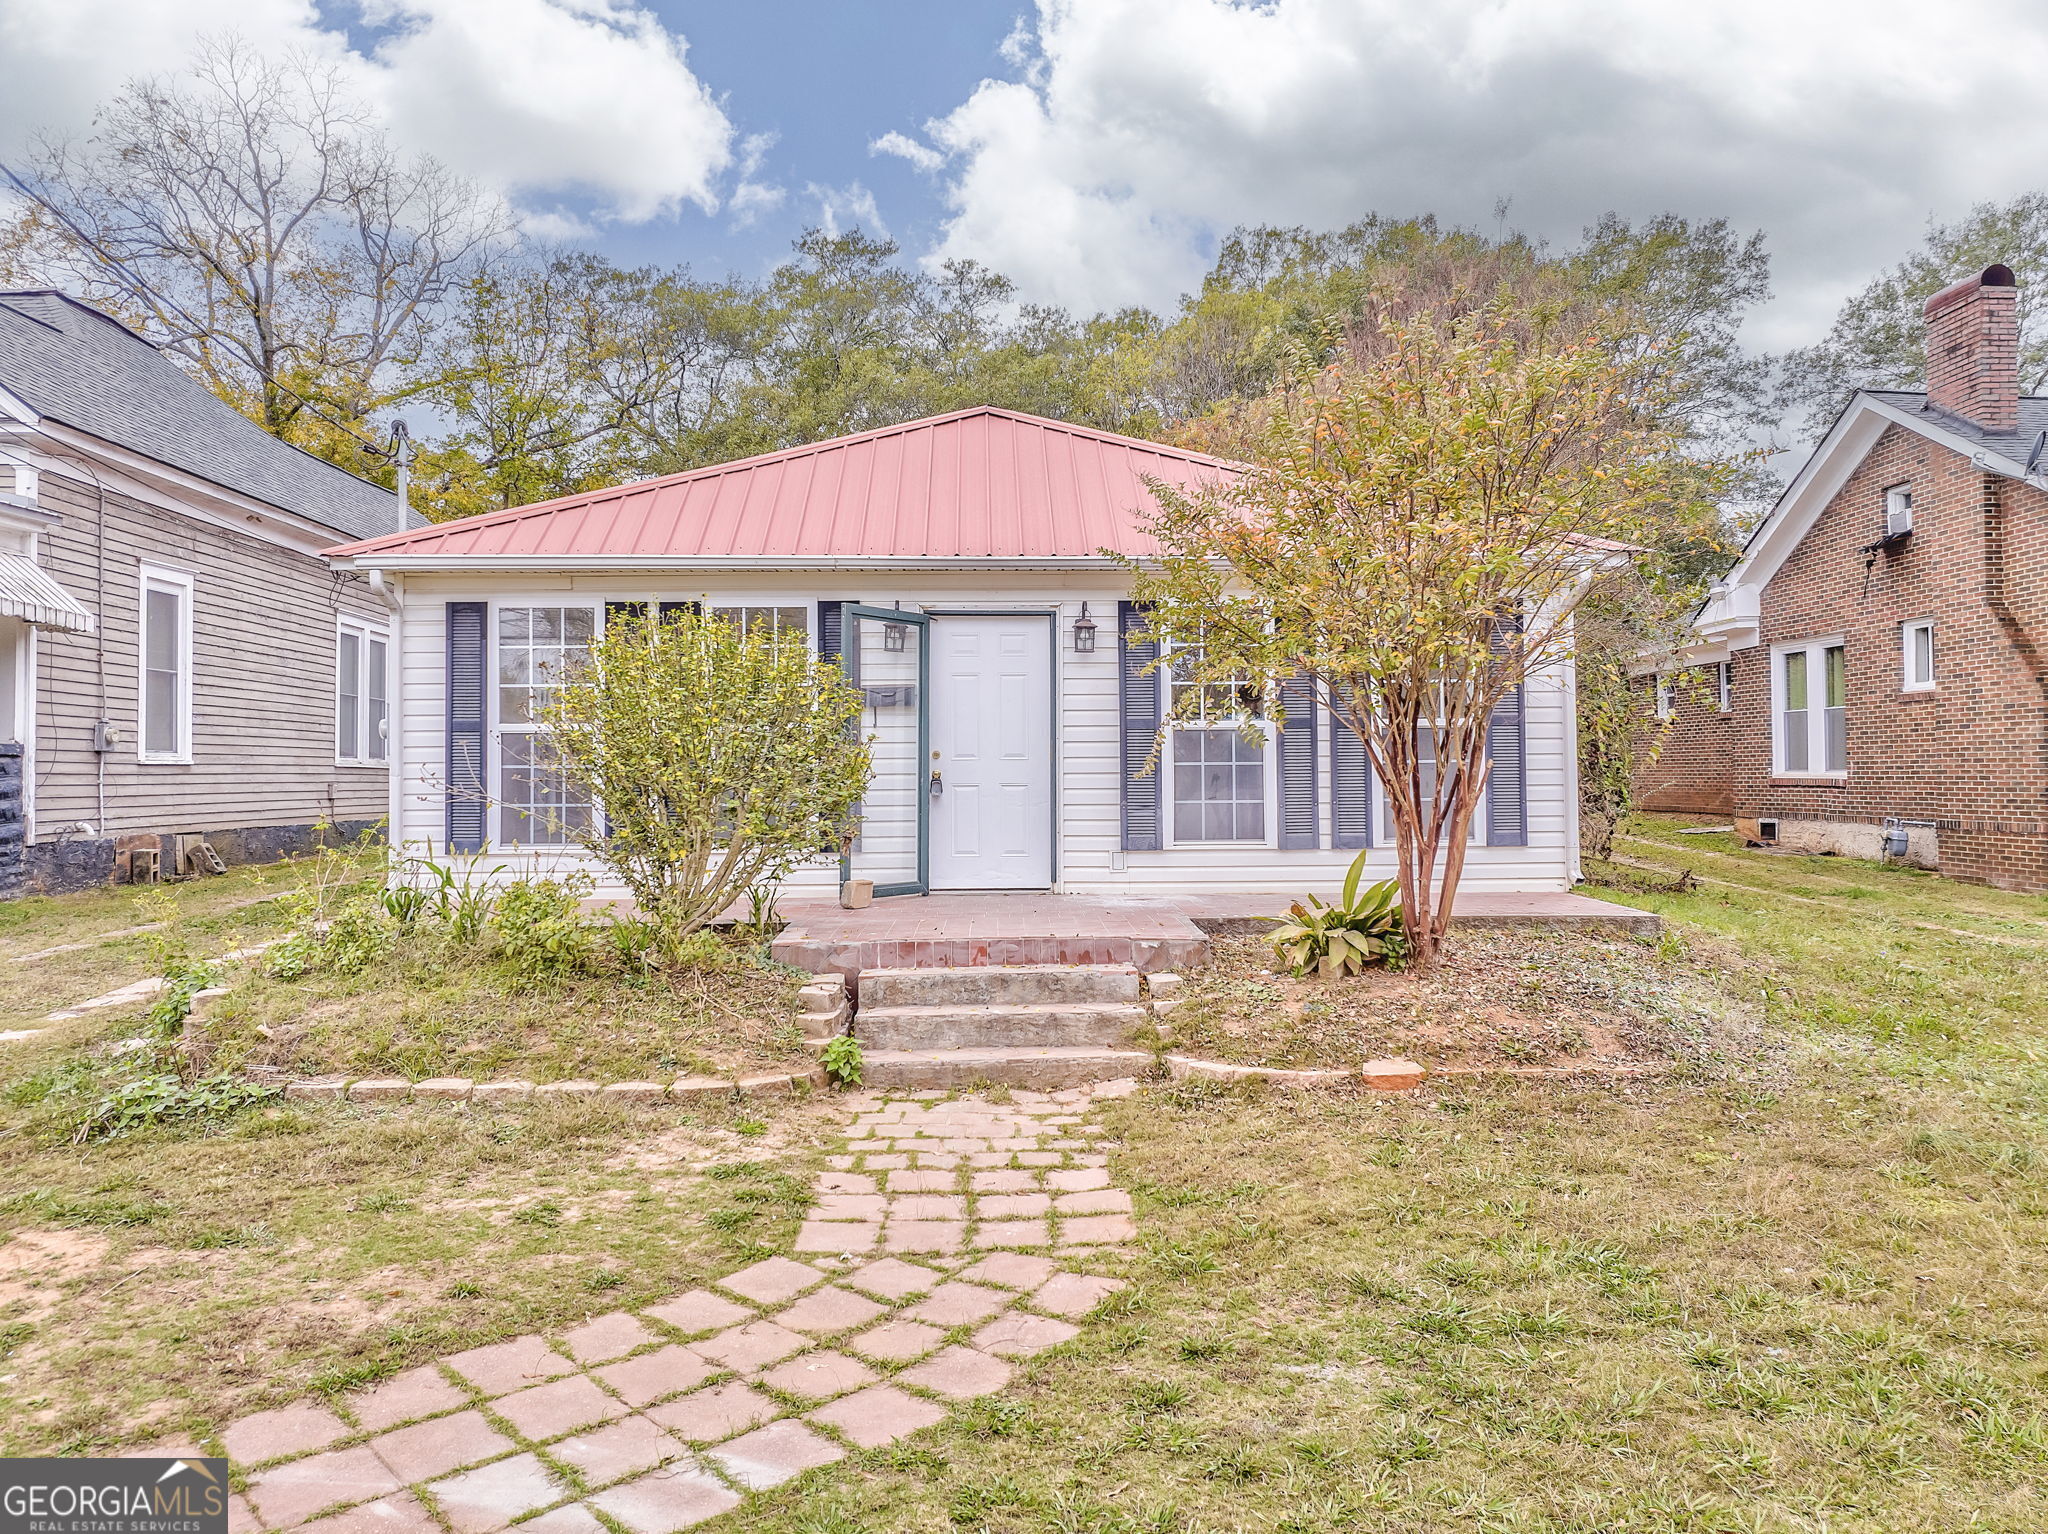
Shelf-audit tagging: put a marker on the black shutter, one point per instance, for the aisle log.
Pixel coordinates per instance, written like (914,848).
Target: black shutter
(467,647)
(1138,708)
(831,630)
(1301,824)
(1350,789)
(1507,780)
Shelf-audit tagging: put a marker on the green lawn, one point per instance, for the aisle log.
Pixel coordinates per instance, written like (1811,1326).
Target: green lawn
(1802,1289)
(1797,1283)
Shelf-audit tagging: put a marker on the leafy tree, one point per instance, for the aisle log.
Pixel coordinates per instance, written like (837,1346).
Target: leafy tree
(248,217)
(1878,339)
(716,762)
(1422,516)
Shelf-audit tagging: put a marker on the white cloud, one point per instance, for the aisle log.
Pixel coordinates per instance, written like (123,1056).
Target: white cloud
(542,99)
(1138,130)
(852,206)
(556,96)
(751,197)
(921,156)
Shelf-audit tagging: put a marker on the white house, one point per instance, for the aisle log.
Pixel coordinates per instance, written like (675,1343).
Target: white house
(956,565)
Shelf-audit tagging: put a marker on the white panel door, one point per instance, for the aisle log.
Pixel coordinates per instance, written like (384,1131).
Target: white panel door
(991,746)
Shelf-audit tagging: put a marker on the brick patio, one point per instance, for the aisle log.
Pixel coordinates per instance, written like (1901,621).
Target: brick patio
(1149,932)
(664,1419)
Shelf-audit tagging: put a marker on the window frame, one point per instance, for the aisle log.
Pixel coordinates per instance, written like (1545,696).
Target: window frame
(1907,682)
(1724,682)
(182,583)
(500,728)
(1269,774)
(1815,652)
(366,633)
(1905,491)
(1667,703)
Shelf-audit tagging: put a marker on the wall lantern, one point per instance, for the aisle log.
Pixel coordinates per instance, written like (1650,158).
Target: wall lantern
(893,635)
(1084,633)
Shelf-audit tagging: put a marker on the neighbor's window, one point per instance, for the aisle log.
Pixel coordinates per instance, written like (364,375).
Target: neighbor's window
(1917,659)
(1812,719)
(166,655)
(1220,779)
(362,709)
(1724,680)
(1898,510)
(1666,704)
(536,647)
(788,625)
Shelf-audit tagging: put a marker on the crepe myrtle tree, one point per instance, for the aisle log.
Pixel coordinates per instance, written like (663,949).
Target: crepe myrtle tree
(714,761)
(1419,520)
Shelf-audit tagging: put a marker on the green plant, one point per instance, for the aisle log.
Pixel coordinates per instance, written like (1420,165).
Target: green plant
(541,931)
(1362,929)
(406,904)
(358,936)
(183,980)
(762,917)
(459,895)
(842,1059)
(148,1101)
(717,760)
(634,943)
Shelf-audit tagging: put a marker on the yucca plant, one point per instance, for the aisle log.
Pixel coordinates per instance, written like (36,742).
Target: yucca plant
(1362,929)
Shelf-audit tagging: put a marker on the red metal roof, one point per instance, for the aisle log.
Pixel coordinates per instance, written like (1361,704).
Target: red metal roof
(975,484)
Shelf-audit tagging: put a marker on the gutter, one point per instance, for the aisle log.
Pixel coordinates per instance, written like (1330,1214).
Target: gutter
(936,564)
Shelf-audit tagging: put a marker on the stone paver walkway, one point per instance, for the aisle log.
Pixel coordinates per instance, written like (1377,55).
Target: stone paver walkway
(950,1238)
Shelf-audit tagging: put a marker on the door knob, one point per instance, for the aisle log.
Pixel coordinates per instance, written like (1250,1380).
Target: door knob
(938,783)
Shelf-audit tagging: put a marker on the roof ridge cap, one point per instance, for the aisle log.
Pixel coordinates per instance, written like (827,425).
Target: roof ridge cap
(591,498)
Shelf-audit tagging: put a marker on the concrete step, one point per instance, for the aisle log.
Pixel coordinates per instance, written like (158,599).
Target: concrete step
(1035,1026)
(1017,985)
(952,1068)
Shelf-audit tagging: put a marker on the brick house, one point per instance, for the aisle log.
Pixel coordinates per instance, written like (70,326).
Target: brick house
(1879,653)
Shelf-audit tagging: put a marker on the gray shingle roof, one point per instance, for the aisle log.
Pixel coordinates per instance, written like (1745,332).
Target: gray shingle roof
(72,364)
(2011,444)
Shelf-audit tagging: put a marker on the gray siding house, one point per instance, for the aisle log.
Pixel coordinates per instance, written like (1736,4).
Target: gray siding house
(175,660)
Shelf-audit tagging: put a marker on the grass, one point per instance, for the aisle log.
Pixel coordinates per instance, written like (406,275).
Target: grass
(431,1007)
(1507,997)
(1798,1283)
(201,916)
(163,1283)
(1800,1288)
(156,1284)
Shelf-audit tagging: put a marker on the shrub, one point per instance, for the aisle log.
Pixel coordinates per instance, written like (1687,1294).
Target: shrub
(716,762)
(541,931)
(842,1059)
(183,980)
(1362,929)
(145,1102)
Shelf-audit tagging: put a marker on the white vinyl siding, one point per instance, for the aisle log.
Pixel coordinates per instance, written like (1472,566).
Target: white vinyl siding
(1810,720)
(164,729)
(1091,860)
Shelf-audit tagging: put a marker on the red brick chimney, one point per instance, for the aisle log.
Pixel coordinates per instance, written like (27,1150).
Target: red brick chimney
(1973,350)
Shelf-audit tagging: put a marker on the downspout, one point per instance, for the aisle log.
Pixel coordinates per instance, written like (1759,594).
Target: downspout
(1998,596)
(391,591)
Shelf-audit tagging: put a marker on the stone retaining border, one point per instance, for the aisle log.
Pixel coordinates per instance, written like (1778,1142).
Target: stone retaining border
(457,1089)
(1383,1075)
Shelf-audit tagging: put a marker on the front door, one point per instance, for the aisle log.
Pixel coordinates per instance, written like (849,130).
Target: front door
(991,766)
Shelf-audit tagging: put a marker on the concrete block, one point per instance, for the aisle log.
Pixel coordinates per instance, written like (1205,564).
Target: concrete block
(700,1088)
(379,1089)
(566,1089)
(509,1091)
(449,1088)
(1394,1075)
(635,1092)
(325,1089)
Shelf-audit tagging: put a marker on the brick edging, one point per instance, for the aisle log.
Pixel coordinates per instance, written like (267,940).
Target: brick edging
(462,1089)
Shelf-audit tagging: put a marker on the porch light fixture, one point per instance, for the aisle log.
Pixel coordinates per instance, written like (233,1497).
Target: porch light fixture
(1084,633)
(893,635)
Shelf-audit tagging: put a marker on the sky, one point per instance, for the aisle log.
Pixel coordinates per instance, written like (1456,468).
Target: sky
(1097,150)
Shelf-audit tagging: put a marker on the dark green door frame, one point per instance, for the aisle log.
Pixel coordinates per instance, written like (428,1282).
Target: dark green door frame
(921,623)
